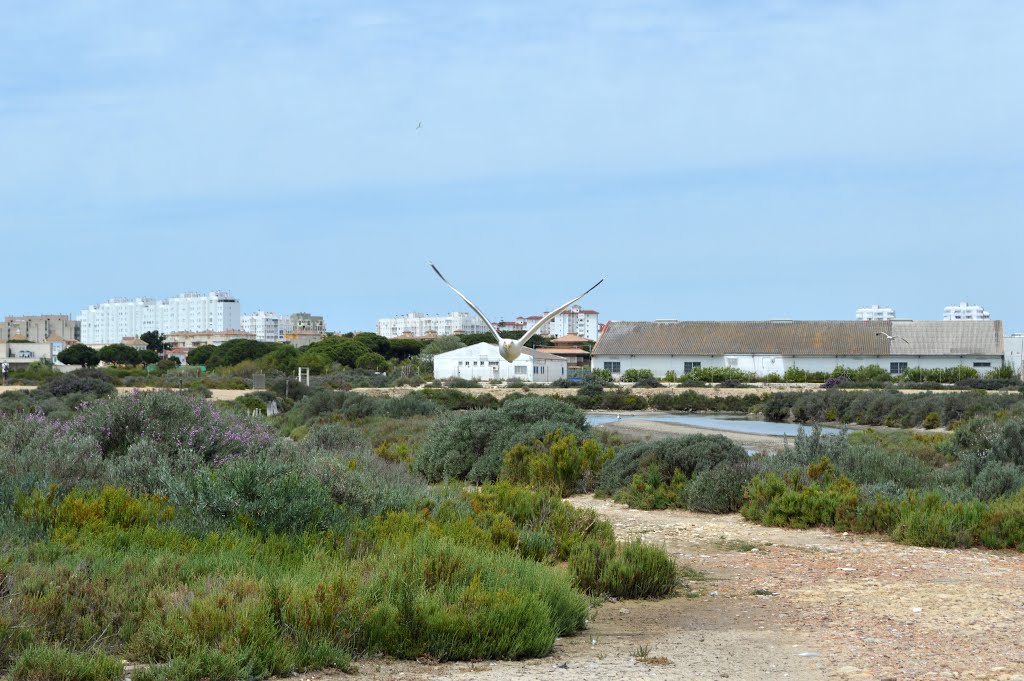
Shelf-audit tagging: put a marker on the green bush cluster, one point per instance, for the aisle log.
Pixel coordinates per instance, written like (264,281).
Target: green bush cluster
(596,396)
(471,445)
(560,462)
(717,375)
(961,490)
(885,407)
(817,496)
(159,529)
(634,375)
(699,472)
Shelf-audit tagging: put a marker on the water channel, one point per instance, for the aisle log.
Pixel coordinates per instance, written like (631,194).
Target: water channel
(735,424)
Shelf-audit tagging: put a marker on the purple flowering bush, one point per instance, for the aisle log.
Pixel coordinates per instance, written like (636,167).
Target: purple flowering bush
(175,423)
(837,382)
(132,440)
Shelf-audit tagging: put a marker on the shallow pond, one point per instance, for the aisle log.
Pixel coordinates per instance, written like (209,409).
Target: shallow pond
(735,424)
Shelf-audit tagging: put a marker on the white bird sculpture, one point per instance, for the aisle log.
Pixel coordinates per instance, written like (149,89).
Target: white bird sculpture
(510,349)
(892,338)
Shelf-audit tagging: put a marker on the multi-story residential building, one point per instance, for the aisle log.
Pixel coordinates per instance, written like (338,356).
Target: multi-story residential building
(964,311)
(420,325)
(299,329)
(39,328)
(268,327)
(875,313)
(303,322)
(575,321)
(118,318)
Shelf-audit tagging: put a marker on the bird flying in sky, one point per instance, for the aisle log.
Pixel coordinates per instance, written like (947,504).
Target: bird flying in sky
(510,349)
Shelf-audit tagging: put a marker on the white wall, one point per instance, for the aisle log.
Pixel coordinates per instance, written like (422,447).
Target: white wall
(763,365)
(481,362)
(1014,348)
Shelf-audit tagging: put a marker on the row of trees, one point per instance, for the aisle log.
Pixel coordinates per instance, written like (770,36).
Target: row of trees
(368,351)
(120,354)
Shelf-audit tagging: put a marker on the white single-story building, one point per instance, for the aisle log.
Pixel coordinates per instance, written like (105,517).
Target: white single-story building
(772,347)
(481,362)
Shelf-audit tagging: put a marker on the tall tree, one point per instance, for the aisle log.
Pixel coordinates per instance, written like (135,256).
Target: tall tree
(154,340)
(79,354)
(119,354)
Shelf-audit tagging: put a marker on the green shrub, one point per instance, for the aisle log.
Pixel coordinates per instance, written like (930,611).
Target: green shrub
(450,602)
(640,571)
(471,445)
(50,663)
(930,520)
(542,510)
(455,442)
(256,494)
(634,375)
(689,454)
(89,381)
(634,570)
(362,483)
(720,489)
(587,563)
(719,374)
(648,490)
(996,479)
(558,461)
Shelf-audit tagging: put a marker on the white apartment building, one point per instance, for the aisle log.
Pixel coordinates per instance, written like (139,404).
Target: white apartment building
(875,313)
(964,311)
(419,325)
(119,318)
(268,327)
(575,320)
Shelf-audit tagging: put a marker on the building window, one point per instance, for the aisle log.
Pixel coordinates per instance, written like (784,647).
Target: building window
(732,361)
(983,364)
(520,370)
(897,368)
(614,367)
(690,366)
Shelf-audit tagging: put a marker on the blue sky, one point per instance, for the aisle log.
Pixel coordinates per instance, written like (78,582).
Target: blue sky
(710,160)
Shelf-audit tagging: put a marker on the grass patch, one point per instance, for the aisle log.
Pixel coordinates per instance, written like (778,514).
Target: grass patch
(51,663)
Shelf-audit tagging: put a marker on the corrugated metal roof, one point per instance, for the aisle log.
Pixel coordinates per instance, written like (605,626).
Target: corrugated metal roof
(812,338)
(800,338)
(982,337)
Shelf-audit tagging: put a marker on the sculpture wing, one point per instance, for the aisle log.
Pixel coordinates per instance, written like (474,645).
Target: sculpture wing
(473,307)
(551,315)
